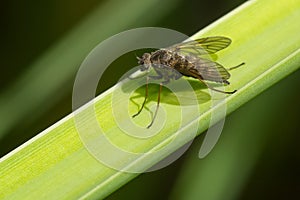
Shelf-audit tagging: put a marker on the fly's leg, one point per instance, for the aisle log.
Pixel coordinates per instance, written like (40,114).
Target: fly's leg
(157,105)
(231,68)
(159,76)
(145,99)
(224,81)
(158,101)
(146,92)
(212,88)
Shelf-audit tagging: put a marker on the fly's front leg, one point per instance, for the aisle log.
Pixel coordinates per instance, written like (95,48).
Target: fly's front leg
(145,99)
(159,76)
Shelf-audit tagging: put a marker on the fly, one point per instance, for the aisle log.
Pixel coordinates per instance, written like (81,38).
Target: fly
(187,59)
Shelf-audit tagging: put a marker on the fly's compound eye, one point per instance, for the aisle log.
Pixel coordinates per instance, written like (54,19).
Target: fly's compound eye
(140,62)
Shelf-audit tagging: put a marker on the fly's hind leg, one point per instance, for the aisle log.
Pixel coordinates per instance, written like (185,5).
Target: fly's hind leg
(214,89)
(231,68)
(223,81)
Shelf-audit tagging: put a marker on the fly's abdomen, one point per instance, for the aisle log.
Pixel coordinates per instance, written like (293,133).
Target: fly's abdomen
(211,71)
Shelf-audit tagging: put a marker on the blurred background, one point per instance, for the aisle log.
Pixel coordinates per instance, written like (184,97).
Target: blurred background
(42,46)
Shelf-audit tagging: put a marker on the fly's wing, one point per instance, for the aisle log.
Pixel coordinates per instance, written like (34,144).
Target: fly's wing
(202,46)
(208,70)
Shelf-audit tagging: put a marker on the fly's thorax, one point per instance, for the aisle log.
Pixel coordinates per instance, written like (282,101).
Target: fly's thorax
(161,56)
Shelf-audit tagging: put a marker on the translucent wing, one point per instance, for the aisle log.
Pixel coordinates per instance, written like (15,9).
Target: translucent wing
(202,46)
(209,70)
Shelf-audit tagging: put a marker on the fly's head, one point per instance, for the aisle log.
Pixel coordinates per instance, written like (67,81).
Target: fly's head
(144,61)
